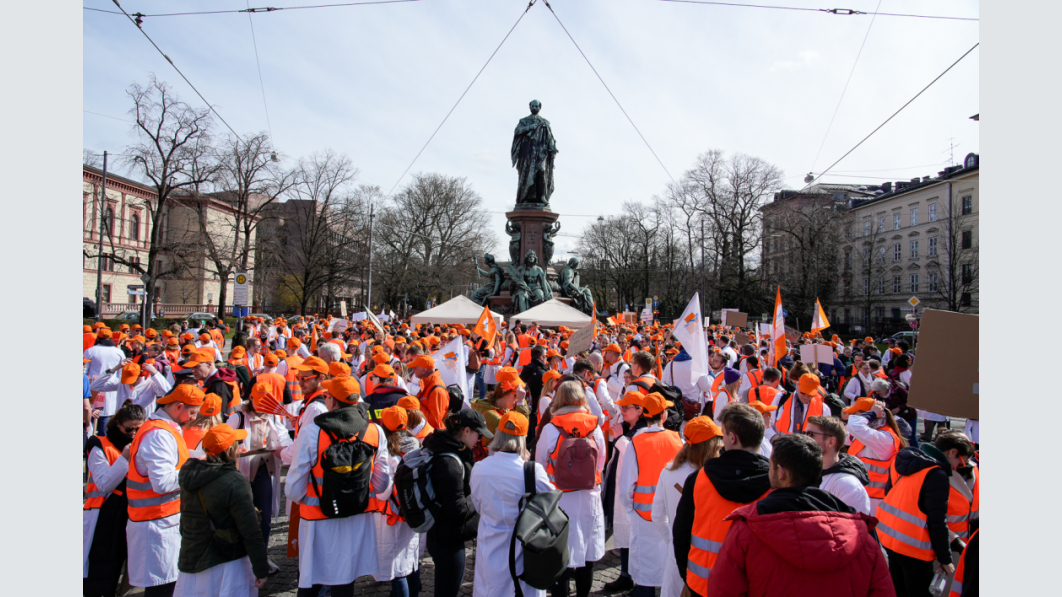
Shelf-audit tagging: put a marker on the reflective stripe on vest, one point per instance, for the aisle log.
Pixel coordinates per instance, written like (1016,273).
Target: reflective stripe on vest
(95,497)
(959,510)
(901,524)
(289,378)
(960,572)
(576,424)
(811,409)
(652,451)
(144,503)
(877,470)
(708,531)
(310,508)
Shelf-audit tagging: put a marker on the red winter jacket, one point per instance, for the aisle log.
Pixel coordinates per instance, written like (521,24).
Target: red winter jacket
(800,553)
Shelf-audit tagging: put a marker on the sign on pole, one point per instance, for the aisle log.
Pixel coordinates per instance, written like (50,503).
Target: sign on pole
(239,293)
(343,308)
(913,301)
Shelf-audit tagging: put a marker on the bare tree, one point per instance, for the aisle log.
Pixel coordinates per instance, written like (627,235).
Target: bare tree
(955,272)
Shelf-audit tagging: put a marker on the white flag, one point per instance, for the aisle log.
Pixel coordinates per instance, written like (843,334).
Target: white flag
(450,361)
(689,330)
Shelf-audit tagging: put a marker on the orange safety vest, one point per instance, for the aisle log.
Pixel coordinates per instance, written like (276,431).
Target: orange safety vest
(95,497)
(755,377)
(709,530)
(310,505)
(901,523)
(960,572)
(652,452)
(193,436)
(811,409)
(765,394)
(576,425)
(877,470)
(144,503)
(235,388)
(643,384)
(960,508)
(425,432)
(290,379)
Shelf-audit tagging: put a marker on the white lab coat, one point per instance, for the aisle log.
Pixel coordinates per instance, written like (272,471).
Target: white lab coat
(106,477)
(497,484)
(621,526)
(231,579)
(680,375)
(154,545)
(104,358)
(398,547)
(275,437)
(879,446)
(615,379)
(665,504)
(334,551)
(648,555)
(853,391)
(143,394)
(586,517)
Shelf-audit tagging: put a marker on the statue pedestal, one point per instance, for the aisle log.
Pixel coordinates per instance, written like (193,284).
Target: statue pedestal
(532,222)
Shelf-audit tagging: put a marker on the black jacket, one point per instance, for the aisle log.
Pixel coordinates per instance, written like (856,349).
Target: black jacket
(932,498)
(801,499)
(459,520)
(217,384)
(532,376)
(737,475)
(227,495)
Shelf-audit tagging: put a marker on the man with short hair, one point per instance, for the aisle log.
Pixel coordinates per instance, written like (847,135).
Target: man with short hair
(642,378)
(102,357)
(613,369)
(433,397)
(843,475)
(739,476)
(799,539)
(768,391)
(724,346)
(805,402)
(215,381)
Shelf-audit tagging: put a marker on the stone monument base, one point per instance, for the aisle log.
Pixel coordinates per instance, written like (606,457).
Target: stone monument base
(532,222)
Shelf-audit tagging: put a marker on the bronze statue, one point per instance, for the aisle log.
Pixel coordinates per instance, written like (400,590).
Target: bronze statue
(528,283)
(582,299)
(493,287)
(513,230)
(533,152)
(547,241)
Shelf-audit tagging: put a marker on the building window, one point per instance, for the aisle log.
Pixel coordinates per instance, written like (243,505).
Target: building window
(866,286)
(965,301)
(932,282)
(967,205)
(134,227)
(881,224)
(933,212)
(914,249)
(866,316)
(896,284)
(106,292)
(134,264)
(866,257)
(881,254)
(896,313)
(108,221)
(848,316)
(881,287)
(967,239)
(881,312)
(848,288)
(897,252)
(866,228)
(847,233)
(914,216)
(932,247)
(914,282)
(847,260)
(896,221)
(967,273)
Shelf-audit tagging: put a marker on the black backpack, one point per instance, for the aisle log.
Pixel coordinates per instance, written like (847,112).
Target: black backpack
(673,420)
(457,397)
(414,490)
(347,466)
(542,529)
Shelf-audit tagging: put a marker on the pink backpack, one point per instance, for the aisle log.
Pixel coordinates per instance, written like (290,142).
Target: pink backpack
(575,467)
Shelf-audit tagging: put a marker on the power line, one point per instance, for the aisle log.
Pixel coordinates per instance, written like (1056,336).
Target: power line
(837,108)
(131,20)
(254,41)
(263,9)
(609,91)
(834,11)
(107,116)
(900,110)
(529,5)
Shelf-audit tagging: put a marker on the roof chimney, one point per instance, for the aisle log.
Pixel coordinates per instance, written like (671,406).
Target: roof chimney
(886,186)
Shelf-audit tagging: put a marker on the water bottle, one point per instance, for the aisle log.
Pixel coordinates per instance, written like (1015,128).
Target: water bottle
(939,582)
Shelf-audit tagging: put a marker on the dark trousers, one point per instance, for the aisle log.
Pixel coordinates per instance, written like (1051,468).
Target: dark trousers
(346,590)
(625,555)
(165,590)
(449,560)
(910,576)
(406,586)
(262,493)
(584,580)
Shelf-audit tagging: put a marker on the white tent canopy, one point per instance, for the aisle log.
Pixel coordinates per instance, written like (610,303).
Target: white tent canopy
(459,309)
(554,313)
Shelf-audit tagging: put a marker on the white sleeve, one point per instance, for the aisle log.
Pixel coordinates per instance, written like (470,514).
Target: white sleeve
(542,479)
(628,478)
(905,377)
(106,383)
(106,476)
(282,368)
(381,470)
(878,442)
(704,383)
(595,409)
(547,438)
(157,456)
(851,393)
(849,490)
(278,433)
(159,384)
(401,383)
(659,512)
(599,439)
(303,454)
(474,484)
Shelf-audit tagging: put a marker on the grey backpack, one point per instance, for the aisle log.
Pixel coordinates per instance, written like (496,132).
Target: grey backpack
(542,530)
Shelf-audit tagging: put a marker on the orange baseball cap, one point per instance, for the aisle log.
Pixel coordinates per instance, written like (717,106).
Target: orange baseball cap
(701,429)
(551,374)
(130,373)
(185,393)
(211,405)
(202,355)
(633,397)
(86,329)
(281,353)
(123,327)
(381,358)
(171,341)
(860,406)
(98,324)
(313,364)
(809,383)
(103,333)
(655,403)
(513,423)
(423,360)
(220,438)
(345,389)
(384,371)
(552,353)
(151,333)
(868,339)
(271,360)
(613,348)
(509,374)
(294,343)
(238,352)
(409,403)
(338,369)
(762,407)
(394,418)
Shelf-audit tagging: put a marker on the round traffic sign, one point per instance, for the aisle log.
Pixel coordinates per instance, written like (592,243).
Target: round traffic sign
(785,313)
(241,278)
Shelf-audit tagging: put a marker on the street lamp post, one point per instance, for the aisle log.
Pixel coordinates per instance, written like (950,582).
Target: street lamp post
(99,265)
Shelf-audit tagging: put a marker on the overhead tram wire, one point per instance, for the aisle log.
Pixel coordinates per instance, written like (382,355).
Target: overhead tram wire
(834,11)
(837,108)
(609,90)
(465,92)
(209,105)
(974,47)
(258,62)
(262,9)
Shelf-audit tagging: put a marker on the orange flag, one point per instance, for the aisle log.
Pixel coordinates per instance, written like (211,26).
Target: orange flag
(313,341)
(777,349)
(486,327)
